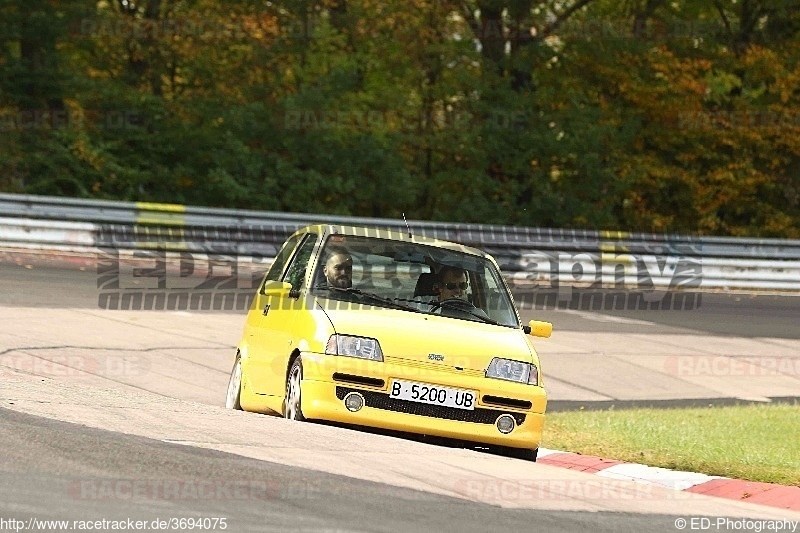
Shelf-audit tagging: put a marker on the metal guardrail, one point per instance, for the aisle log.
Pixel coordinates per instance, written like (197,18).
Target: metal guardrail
(540,256)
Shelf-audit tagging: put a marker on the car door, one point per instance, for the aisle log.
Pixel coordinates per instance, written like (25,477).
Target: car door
(261,305)
(273,341)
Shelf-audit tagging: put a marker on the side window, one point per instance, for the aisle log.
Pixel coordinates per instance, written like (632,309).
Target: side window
(296,272)
(281,259)
(495,299)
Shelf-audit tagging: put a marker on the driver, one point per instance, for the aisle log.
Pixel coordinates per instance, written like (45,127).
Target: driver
(452,283)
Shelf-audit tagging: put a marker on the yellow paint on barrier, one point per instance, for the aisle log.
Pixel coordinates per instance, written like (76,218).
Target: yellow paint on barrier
(612,246)
(152,219)
(170,247)
(151,206)
(153,214)
(160,214)
(618,259)
(614,234)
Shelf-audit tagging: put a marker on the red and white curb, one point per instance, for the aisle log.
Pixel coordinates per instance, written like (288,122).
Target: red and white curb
(772,494)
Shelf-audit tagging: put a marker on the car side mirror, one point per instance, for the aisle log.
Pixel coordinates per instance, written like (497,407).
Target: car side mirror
(281,289)
(538,328)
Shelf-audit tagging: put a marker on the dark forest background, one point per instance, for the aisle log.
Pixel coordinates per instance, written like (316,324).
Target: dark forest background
(679,116)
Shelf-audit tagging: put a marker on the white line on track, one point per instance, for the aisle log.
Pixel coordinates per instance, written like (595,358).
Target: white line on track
(597,317)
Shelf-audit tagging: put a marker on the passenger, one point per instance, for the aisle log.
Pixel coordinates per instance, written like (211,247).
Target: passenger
(338,269)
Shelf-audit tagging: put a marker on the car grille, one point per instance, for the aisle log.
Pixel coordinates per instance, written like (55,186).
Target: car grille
(383,401)
(507,402)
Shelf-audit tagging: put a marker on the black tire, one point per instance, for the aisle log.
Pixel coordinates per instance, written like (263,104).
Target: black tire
(234,395)
(292,408)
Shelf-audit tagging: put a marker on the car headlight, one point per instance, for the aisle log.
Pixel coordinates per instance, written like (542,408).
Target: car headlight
(510,370)
(352,346)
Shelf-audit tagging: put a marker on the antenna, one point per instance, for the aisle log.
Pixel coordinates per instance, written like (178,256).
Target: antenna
(407,226)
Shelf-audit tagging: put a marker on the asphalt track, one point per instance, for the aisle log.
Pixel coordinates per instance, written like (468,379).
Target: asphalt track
(50,458)
(721,313)
(672,356)
(96,404)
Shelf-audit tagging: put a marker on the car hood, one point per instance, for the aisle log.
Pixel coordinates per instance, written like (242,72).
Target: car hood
(428,338)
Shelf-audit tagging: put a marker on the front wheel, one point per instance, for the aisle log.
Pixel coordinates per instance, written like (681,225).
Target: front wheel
(234,396)
(291,405)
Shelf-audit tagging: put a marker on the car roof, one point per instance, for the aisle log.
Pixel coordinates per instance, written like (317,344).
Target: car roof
(390,234)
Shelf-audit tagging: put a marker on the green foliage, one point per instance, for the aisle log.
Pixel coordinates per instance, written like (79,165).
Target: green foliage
(635,115)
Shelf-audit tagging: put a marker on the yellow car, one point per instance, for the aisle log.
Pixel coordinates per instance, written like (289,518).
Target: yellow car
(378,328)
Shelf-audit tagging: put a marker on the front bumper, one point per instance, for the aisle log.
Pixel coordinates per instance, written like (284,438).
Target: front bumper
(322,398)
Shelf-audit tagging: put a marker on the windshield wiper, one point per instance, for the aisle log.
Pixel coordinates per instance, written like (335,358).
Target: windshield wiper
(370,295)
(466,307)
(485,318)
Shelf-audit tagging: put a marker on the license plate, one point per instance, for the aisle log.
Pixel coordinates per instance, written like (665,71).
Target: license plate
(413,391)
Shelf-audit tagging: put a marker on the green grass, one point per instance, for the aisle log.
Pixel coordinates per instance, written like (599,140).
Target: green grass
(752,442)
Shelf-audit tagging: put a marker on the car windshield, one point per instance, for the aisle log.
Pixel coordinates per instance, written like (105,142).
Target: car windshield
(413,277)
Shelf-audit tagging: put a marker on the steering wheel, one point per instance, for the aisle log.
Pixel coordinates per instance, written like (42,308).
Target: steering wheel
(454,303)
